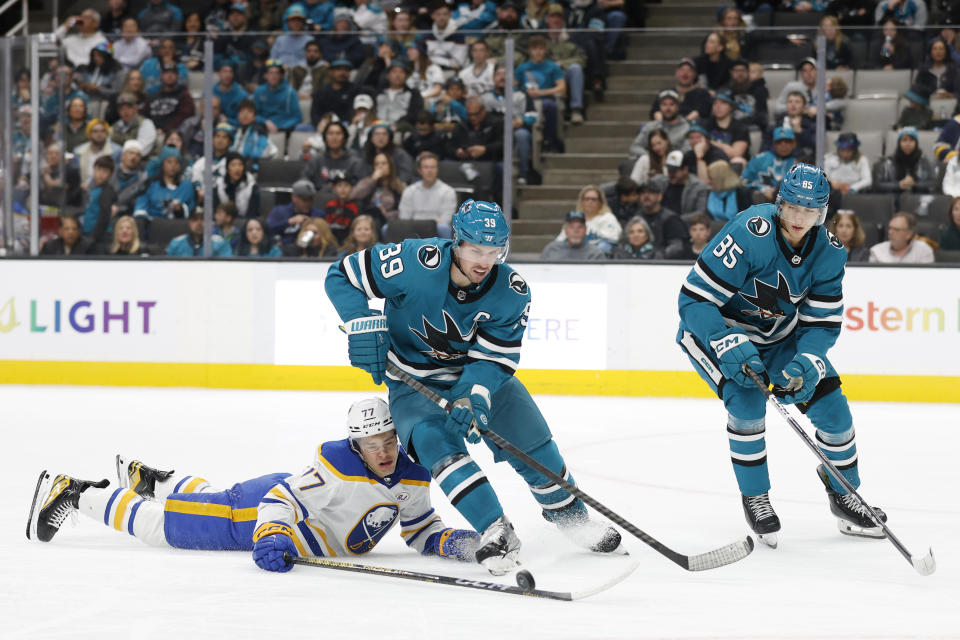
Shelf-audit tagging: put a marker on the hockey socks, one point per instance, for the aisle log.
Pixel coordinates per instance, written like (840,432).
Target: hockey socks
(125,511)
(748,453)
(468,489)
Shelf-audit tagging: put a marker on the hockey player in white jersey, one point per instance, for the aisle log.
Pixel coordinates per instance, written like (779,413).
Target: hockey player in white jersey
(356,490)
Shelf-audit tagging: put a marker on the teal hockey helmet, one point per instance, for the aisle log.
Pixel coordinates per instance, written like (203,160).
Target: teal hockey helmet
(805,185)
(482,223)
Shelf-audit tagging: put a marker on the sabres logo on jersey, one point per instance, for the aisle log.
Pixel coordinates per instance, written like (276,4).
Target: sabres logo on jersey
(517,283)
(759,226)
(429,256)
(444,344)
(768,298)
(372,526)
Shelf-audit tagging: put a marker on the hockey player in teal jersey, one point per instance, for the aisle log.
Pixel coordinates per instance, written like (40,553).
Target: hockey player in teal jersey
(454,317)
(767,293)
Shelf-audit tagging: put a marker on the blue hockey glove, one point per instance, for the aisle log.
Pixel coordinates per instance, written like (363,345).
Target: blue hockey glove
(734,349)
(368,343)
(803,374)
(466,409)
(273,540)
(456,544)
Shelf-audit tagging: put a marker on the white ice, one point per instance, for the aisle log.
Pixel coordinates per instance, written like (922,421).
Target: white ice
(661,464)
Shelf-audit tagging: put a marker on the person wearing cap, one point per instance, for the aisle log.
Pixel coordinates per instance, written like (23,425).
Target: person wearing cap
(848,170)
(343,42)
(750,95)
(603,228)
(341,210)
(694,100)
(474,16)
(726,132)
(702,151)
(319,14)
(132,125)
(98,145)
(670,122)
(288,47)
(364,117)
(311,74)
(947,145)
(446,46)
(169,104)
(429,198)
(765,170)
(626,203)
(381,140)
(168,195)
(152,68)
(285,220)
(525,116)
(334,157)
(671,237)
(569,55)
(278,106)
(160,16)
(450,108)
(684,193)
(250,136)
(230,93)
(129,179)
(572,244)
(78,45)
(907,169)
(190,244)
(916,112)
(337,96)
(507,25)
(477,76)
(398,104)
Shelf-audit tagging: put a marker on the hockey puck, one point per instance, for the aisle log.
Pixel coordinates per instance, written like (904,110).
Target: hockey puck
(525,580)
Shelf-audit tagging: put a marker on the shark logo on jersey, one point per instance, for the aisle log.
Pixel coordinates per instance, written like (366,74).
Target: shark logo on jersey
(372,526)
(429,256)
(834,240)
(445,344)
(517,283)
(768,298)
(759,226)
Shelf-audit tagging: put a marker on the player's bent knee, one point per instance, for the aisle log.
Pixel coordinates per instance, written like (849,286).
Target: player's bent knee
(746,425)
(433,442)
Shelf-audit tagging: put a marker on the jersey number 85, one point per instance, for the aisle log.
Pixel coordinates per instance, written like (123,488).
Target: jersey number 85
(728,250)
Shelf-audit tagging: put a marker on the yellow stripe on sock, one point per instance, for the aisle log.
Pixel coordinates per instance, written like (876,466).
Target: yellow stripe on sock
(198,508)
(193,484)
(122,508)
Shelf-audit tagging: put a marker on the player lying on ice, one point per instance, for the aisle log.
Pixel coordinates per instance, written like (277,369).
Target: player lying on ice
(342,505)
(454,316)
(766,292)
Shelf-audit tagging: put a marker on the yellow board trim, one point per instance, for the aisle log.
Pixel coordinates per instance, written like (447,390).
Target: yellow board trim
(122,508)
(539,381)
(210,509)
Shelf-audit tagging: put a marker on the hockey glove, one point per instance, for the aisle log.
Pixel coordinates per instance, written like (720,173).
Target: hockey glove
(475,406)
(734,349)
(368,343)
(456,544)
(272,541)
(803,374)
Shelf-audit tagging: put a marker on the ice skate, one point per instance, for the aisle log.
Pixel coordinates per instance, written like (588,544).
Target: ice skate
(574,523)
(762,518)
(498,547)
(852,518)
(138,476)
(53,501)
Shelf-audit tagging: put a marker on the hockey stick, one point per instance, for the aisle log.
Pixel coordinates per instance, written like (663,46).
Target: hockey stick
(710,560)
(327,563)
(924,565)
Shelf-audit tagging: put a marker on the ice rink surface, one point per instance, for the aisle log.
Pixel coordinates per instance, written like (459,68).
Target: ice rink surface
(661,464)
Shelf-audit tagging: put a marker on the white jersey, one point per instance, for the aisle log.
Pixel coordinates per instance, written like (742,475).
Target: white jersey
(338,507)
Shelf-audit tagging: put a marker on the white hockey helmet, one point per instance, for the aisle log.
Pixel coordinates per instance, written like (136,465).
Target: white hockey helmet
(368,417)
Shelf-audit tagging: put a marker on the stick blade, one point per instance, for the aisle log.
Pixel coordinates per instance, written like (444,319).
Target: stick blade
(733,552)
(924,565)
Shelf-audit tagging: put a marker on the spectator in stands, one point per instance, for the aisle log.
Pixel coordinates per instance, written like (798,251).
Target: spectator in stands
(848,170)
(670,233)
(286,220)
(126,239)
(654,161)
(948,142)
(98,145)
(254,242)
(751,96)
(893,52)
(846,226)
(115,17)
(424,137)
(733,32)
(343,42)
(59,182)
(379,193)
(315,240)
(364,117)
(190,47)
(319,14)
(168,195)
(603,228)
(839,54)
(309,75)
(949,35)
(174,139)
(341,211)
(132,125)
(238,186)
(426,78)
(507,25)
(702,151)
(171,103)
(728,196)
(479,138)
(916,113)
(68,241)
(398,104)
(684,193)
(75,131)
(288,47)
(192,128)
(335,157)
(478,76)
(129,179)
(544,82)
(362,235)
(446,46)
(570,56)
(907,170)
(229,92)
(726,132)
(699,230)
(99,210)
(950,234)
(380,140)
(152,68)
(572,243)
(235,44)
(903,247)
(21,89)
(586,23)
(796,119)
(765,171)
(250,138)
(133,85)
(429,198)
(278,107)
(534,15)
(911,13)
(401,34)
(626,205)
(251,70)
(674,125)
(160,17)
(190,244)
(450,109)
(694,100)
(836,102)
(524,118)
(100,76)
(223,224)
(637,243)
(806,87)
(475,16)
(713,65)
(368,16)
(336,97)
(939,74)
(78,45)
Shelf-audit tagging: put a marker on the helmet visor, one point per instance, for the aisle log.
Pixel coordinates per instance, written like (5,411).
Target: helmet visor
(793,214)
(481,254)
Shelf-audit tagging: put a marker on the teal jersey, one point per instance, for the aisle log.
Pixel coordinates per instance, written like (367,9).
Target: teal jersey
(749,277)
(438,332)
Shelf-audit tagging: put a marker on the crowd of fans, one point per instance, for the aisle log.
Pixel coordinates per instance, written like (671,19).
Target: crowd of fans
(690,168)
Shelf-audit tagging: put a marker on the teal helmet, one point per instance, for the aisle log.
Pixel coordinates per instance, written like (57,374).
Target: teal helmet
(482,223)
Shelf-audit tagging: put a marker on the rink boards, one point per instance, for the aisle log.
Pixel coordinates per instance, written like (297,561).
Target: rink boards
(593,329)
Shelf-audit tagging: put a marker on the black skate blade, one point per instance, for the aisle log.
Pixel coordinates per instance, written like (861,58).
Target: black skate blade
(769,539)
(43,487)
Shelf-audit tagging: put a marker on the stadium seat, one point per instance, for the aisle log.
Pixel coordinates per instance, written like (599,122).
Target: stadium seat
(195,84)
(305,106)
(846,74)
(399,230)
(941,255)
(926,139)
(882,82)
(859,54)
(279,173)
(868,114)
(160,231)
(777,79)
(871,143)
(873,209)
(295,143)
(943,108)
(929,229)
(804,21)
(279,140)
(756,140)
(927,206)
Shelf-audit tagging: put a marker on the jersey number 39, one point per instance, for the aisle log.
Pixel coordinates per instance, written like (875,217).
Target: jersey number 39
(391,263)
(728,250)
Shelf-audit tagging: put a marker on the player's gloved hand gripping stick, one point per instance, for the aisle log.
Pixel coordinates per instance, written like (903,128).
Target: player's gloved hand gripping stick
(924,565)
(710,560)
